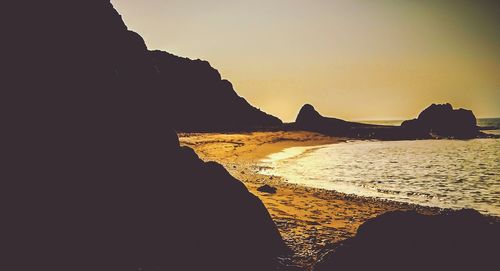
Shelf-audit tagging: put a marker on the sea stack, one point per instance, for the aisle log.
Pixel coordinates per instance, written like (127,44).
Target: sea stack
(442,120)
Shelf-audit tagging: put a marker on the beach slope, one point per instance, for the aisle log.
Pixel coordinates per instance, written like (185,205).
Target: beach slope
(309,220)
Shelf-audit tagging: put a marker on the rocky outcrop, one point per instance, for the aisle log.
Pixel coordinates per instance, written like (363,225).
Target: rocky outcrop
(311,120)
(444,121)
(435,121)
(308,116)
(94,175)
(453,240)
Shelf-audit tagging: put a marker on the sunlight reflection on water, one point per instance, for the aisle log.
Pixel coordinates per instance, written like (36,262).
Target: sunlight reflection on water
(443,173)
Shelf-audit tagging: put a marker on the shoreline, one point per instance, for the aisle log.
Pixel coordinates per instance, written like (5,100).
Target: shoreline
(269,166)
(310,220)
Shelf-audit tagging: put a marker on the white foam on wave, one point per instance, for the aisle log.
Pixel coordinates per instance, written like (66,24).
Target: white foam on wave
(289,153)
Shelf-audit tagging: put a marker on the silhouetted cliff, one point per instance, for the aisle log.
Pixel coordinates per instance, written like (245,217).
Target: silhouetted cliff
(454,240)
(93,173)
(195,92)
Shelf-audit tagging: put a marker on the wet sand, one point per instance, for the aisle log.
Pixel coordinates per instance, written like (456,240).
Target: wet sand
(310,220)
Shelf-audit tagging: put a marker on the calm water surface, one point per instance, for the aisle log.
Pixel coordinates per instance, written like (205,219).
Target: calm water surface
(443,173)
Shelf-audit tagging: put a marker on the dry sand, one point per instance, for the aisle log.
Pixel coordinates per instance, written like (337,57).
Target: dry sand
(310,220)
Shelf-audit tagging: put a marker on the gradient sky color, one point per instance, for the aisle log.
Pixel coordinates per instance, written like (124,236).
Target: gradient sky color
(352,59)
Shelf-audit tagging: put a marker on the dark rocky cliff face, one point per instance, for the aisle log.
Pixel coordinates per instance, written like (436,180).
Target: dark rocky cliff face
(93,173)
(195,92)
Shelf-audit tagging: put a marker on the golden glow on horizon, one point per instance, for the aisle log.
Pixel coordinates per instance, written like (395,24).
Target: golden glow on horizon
(356,60)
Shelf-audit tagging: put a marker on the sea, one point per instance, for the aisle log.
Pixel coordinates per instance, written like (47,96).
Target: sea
(442,173)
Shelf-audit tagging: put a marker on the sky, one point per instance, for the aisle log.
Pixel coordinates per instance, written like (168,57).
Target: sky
(351,59)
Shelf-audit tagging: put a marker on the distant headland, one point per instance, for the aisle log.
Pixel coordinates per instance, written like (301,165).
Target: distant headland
(436,121)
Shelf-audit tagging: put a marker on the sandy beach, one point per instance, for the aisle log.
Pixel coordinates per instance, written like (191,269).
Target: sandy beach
(310,220)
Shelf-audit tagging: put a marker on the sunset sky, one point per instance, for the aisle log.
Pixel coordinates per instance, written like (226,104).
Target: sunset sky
(352,59)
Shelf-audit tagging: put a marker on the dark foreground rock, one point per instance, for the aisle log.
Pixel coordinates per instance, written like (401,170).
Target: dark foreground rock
(454,240)
(93,177)
(437,121)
